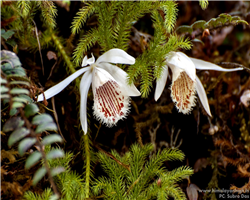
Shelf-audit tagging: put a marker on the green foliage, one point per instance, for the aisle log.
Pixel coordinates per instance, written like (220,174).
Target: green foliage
(203,4)
(26,124)
(24,12)
(214,23)
(133,177)
(115,20)
(46,195)
(70,184)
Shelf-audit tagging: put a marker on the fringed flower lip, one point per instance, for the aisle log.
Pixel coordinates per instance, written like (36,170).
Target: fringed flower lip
(109,85)
(185,82)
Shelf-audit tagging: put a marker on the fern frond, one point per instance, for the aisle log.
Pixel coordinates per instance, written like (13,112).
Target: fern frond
(82,16)
(73,186)
(138,158)
(146,83)
(177,174)
(203,4)
(175,191)
(106,11)
(175,42)
(47,193)
(24,7)
(49,13)
(122,25)
(170,10)
(85,43)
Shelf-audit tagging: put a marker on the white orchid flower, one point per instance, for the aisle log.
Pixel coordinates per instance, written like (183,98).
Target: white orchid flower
(185,82)
(110,89)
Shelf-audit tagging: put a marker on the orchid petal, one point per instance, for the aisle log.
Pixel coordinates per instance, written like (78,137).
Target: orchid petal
(87,61)
(203,65)
(60,86)
(84,88)
(202,95)
(110,101)
(181,61)
(160,83)
(116,56)
(121,77)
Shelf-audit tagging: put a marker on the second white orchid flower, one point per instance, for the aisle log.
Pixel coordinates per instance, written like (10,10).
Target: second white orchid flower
(185,82)
(110,89)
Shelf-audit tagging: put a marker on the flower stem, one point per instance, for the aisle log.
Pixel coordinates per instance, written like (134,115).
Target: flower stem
(87,154)
(63,52)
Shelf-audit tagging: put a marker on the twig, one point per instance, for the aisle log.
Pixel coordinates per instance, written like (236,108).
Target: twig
(56,117)
(39,46)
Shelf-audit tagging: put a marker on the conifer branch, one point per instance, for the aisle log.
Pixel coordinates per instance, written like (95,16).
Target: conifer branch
(82,16)
(170,10)
(49,13)
(85,43)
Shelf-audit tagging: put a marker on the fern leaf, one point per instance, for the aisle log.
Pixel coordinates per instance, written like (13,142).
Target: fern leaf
(49,13)
(82,16)
(24,7)
(85,43)
(170,10)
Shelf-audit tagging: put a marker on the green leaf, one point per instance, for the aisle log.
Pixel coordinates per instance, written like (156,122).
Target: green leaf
(225,15)
(2,31)
(55,153)
(5,96)
(30,110)
(203,4)
(17,105)
(20,99)
(11,42)
(24,96)
(57,170)
(4,89)
(2,81)
(46,127)
(211,23)
(235,18)
(184,29)
(25,144)
(43,118)
(19,83)
(13,111)
(51,139)
(33,159)
(7,34)
(13,124)
(19,91)
(199,24)
(197,40)
(40,173)
(11,57)
(17,135)
(241,21)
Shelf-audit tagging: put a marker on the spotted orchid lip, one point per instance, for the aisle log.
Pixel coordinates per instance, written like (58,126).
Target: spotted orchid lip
(109,85)
(180,63)
(183,93)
